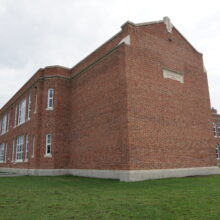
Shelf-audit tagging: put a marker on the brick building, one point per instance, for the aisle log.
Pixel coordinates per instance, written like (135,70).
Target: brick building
(128,111)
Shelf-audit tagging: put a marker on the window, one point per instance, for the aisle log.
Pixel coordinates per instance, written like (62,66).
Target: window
(214,130)
(16,109)
(29,107)
(218,129)
(48,144)
(27,147)
(2,153)
(50,99)
(35,105)
(6,148)
(13,150)
(217,152)
(33,145)
(8,122)
(19,148)
(4,124)
(21,111)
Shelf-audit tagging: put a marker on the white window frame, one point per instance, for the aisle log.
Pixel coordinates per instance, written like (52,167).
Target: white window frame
(50,99)
(22,112)
(48,145)
(214,130)
(2,153)
(4,124)
(16,111)
(6,151)
(26,148)
(19,148)
(218,130)
(13,151)
(35,104)
(8,122)
(29,107)
(33,146)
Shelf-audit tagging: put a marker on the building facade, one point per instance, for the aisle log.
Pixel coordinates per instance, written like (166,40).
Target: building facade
(216,133)
(128,111)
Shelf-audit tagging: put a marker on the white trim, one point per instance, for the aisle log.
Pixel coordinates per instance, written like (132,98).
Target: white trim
(47,155)
(126,40)
(48,144)
(49,108)
(217,151)
(6,151)
(29,107)
(35,104)
(19,148)
(13,151)
(2,146)
(50,99)
(173,75)
(26,147)
(122,175)
(19,161)
(22,112)
(8,122)
(33,147)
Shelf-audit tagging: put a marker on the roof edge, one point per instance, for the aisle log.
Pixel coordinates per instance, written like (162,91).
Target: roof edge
(165,19)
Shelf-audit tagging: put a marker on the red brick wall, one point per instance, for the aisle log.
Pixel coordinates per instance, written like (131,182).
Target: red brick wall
(98,116)
(169,122)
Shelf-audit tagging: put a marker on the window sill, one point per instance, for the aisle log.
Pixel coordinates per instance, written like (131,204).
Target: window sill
(18,125)
(3,133)
(49,109)
(26,160)
(47,155)
(2,162)
(19,161)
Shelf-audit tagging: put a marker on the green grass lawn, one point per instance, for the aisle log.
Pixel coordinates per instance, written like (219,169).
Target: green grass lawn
(70,197)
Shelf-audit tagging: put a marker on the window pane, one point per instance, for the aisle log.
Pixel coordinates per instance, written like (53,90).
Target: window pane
(50,98)
(2,149)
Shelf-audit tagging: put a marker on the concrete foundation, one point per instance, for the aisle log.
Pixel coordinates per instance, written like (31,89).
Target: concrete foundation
(122,175)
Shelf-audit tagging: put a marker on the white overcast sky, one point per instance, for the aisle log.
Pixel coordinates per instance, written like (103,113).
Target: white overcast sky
(38,33)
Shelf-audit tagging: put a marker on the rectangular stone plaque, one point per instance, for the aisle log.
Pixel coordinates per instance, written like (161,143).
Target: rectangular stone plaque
(173,75)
